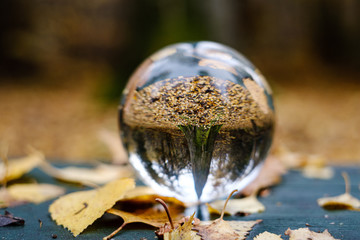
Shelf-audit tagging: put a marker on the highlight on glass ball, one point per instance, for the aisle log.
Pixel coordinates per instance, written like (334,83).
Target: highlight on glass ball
(197,120)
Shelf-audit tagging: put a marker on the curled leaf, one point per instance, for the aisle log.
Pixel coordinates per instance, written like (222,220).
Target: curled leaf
(9,219)
(76,211)
(344,201)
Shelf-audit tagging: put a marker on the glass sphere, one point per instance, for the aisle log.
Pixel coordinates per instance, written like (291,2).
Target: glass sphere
(197,120)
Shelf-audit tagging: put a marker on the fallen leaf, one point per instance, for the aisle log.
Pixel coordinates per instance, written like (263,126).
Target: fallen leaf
(18,167)
(220,229)
(35,193)
(183,232)
(245,205)
(318,172)
(316,167)
(267,236)
(150,213)
(8,219)
(76,211)
(101,174)
(151,216)
(269,175)
(305,233)
(342,202)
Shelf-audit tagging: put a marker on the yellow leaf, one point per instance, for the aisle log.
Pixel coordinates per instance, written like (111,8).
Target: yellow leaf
(35,193)
(18,167)
(243,205)
(343,201)
(267,236)
(305,233)
(76,211)
(101,174)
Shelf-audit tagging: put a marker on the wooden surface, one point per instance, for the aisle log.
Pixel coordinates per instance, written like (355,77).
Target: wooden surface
(290,204)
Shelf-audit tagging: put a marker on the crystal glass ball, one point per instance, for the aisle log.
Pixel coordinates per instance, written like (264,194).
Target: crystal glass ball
(197,120)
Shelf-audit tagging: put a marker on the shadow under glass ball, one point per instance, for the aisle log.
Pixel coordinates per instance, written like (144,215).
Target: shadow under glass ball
(197,120)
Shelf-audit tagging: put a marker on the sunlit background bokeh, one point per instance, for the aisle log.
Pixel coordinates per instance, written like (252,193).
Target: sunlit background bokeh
(63,65)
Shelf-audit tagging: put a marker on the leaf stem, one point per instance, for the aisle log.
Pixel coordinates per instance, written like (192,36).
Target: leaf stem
(228,198)
(347,182)
(167,211)
(114,232)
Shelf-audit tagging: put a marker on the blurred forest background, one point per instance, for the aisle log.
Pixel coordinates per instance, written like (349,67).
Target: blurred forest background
(63,65)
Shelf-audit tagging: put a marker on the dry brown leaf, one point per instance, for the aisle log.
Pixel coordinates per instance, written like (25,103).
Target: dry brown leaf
(76,211)
(146,210)
(220,229)
(151,216)
(344,201)
(183,232)
(269,175)
(245,205)
(10,220)
(35,193)
(267,236)
(305,233)
(17,167)
(101,174)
